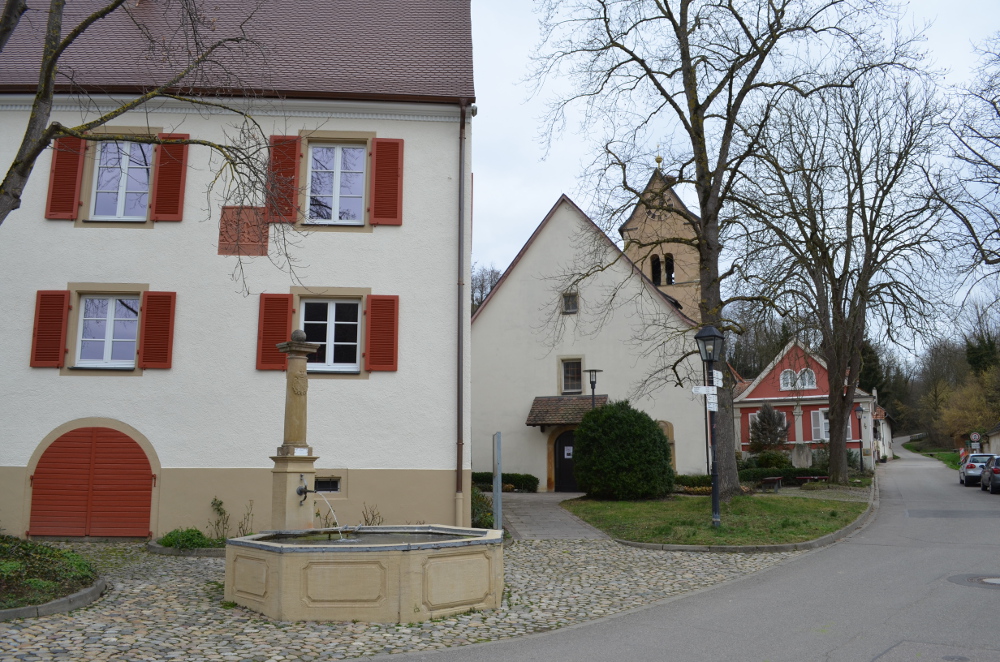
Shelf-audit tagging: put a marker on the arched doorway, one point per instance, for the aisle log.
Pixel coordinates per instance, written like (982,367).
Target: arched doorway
(565,480)
(92,481)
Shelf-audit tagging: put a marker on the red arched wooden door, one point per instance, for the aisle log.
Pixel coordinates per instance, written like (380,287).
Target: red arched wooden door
(92,482)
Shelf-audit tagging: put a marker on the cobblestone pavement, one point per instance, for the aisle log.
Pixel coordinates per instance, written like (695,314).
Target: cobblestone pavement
(164,608)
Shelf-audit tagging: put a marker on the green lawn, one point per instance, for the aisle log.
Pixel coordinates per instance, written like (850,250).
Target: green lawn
(947,455)
(746,520)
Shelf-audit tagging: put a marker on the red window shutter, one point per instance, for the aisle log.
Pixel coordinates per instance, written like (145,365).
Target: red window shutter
(169,174)
(65,178)
(387,182)
(282,194)
(156,333)
(382,333)
(48,340)
(274,326)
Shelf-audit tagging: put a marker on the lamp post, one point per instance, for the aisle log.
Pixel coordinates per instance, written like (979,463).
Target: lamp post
(593,386)
(859,412)
(710,344)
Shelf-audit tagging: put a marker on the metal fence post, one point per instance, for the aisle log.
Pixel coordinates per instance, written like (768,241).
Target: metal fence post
(497,483)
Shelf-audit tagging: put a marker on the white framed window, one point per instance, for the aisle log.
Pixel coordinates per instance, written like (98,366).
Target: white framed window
(788,378)
(570,303)
(121,181)
(806,379)
(109,327)
(336,191)
(572,377)
(335,324)
(821,425)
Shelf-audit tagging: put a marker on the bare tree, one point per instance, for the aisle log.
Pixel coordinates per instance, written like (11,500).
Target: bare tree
(697,76)
(973,192)
(484,277)
(189,49)
(842,228)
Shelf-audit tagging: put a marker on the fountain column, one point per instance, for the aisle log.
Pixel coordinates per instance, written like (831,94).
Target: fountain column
(294,461)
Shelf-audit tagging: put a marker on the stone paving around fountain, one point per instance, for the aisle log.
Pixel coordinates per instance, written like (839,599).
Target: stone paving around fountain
(164,607)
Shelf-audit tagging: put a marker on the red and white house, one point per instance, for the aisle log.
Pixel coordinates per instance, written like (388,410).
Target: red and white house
(796,385)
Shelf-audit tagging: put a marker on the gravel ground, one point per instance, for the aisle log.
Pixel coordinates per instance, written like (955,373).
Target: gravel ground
(163,608)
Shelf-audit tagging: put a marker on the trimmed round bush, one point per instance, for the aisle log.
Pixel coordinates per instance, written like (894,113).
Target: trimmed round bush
(622,454)
(772,460)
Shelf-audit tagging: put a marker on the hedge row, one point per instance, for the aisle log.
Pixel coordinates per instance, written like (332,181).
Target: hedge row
(748,476)
(521,482)
(757,475)
(692,481)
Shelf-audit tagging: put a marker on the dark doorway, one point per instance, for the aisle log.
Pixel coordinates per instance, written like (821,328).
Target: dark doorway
(565,481)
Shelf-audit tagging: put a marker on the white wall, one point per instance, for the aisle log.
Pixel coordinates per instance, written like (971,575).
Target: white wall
(213,408)
(516,355)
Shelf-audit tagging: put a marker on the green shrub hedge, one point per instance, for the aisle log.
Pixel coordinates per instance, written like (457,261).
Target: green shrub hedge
(622,454)
(521,482)
(693,481)
(482,510)
(189,539)
(757,475)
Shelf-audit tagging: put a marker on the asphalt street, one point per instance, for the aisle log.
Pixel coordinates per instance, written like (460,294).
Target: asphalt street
(906,587)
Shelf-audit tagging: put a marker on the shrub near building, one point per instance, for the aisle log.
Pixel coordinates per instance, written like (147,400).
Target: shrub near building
(622,454)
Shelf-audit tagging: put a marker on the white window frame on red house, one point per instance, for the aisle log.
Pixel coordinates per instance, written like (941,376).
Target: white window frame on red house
(125,166)
(824,415)
(330,337)
(116,330)
(337,176)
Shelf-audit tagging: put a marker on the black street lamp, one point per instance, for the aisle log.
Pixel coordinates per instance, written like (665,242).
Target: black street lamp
(710,345)
(593,386)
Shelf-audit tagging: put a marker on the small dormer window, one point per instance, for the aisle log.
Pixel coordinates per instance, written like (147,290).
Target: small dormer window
(569,303)
(788,378)
(801,381)
(806,379)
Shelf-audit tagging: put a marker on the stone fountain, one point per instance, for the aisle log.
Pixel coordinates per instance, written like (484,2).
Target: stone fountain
(391,574)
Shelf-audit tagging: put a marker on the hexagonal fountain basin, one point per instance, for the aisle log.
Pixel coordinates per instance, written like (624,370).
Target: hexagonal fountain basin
(388,574)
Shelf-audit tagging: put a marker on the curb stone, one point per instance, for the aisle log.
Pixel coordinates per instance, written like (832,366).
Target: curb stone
(202,552)
(60,605)
(822,541)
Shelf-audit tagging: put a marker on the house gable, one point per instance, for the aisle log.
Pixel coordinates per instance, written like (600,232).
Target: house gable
(794,358)
(562,211)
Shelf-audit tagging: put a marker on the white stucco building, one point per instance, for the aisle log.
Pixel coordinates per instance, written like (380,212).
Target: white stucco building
(535,336)
(139,381)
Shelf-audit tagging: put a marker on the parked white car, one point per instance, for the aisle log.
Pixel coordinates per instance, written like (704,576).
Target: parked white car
(971,471)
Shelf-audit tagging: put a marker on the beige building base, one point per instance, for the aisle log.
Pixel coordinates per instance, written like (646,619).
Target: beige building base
(182,497)
(367,583)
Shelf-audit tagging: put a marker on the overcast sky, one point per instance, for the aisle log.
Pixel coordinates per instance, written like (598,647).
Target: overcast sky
(515,187)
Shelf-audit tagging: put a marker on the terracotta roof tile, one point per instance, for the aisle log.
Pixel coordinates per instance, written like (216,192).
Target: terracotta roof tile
(414,50)
(561,409)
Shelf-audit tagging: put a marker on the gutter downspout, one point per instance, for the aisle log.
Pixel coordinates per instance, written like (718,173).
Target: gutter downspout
(460,322)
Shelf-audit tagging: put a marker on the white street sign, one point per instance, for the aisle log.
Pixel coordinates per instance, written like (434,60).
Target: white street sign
(713,406)
(703,390)
(717,374)
(713,402)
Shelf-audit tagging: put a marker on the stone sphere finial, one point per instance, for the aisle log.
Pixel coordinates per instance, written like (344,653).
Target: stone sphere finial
(298,335)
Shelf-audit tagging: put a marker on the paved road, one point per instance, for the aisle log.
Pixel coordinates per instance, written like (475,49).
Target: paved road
(892,592)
